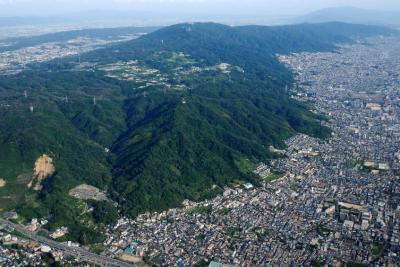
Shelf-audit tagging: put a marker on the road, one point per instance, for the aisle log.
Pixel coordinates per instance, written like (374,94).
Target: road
(76,252)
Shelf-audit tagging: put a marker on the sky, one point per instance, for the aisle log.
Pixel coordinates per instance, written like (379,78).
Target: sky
(255,7)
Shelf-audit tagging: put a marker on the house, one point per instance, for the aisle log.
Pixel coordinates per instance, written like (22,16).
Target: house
(248,186)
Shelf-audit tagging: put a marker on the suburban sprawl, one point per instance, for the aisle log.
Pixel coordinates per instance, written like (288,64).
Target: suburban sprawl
(15,61)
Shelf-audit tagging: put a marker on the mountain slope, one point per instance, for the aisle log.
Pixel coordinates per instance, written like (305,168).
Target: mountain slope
(179,149)
(251,47)
(73,134)
(178,122)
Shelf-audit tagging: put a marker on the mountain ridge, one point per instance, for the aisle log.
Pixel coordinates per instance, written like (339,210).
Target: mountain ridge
(172,123)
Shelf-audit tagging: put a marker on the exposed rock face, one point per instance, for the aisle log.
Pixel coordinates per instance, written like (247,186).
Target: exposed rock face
(44,168)
(2,182)
(87,192)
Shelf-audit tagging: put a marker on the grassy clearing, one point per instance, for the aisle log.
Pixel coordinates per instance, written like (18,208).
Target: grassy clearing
(273,176)
(224,211)
(245,165)
(323,231)
(376,248)
(180,59)
(353,164)
(202,210)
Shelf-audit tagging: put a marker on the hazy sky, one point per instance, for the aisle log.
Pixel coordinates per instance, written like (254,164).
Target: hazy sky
(268,7)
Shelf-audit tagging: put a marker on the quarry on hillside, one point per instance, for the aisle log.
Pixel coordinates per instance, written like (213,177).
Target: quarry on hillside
(88,192)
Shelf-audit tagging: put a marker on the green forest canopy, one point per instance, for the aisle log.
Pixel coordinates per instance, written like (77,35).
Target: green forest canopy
(163,149)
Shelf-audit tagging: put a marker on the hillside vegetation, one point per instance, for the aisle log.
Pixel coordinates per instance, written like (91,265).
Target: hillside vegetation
(182,132)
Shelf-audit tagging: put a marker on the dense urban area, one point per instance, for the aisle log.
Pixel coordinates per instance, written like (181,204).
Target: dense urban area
(323,202)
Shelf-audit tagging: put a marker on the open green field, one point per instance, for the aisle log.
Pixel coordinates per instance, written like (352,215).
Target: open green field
(274,176)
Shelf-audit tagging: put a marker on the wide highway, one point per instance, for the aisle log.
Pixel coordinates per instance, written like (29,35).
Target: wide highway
(76,252)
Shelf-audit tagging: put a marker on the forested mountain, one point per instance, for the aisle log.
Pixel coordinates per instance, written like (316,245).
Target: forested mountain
(179,124)
(251,47)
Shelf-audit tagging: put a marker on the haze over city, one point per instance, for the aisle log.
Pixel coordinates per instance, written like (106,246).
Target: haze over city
(184,7)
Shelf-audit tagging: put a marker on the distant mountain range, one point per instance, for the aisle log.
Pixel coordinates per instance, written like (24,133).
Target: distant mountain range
(352,15)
